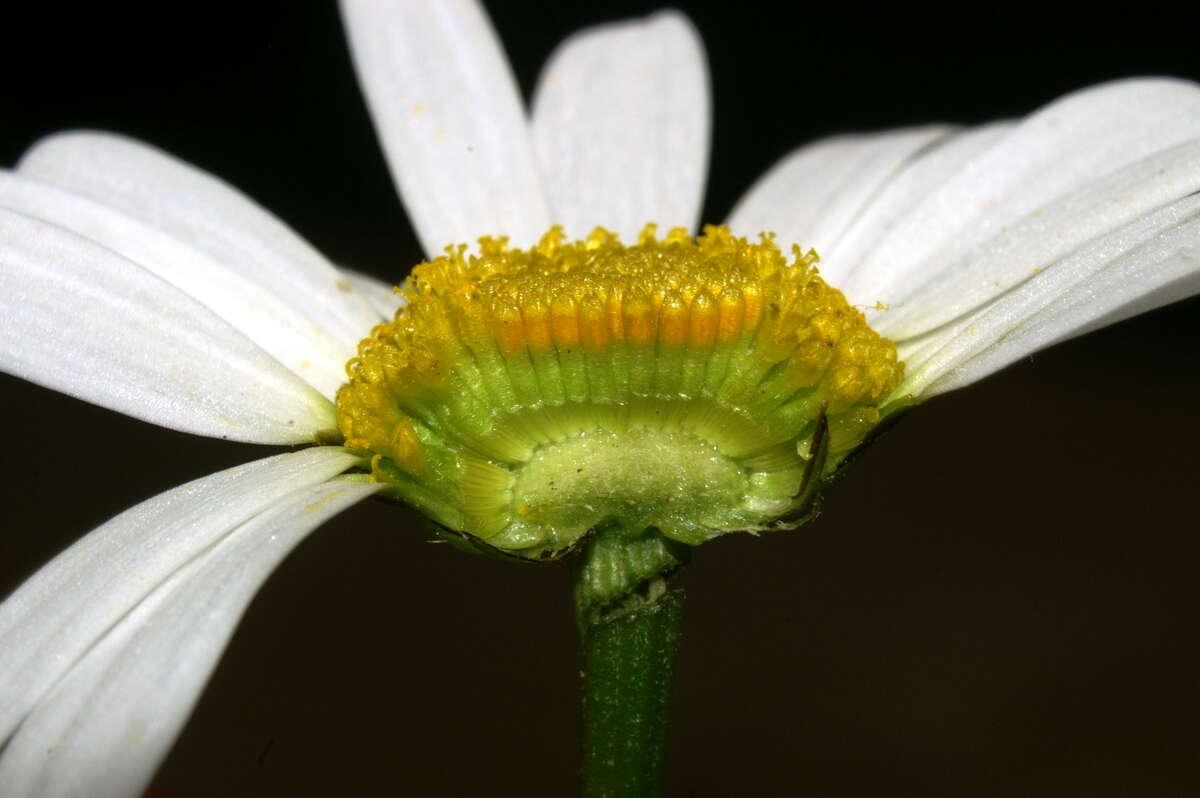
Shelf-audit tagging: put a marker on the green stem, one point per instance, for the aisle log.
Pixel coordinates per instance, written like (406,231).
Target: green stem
(629,633)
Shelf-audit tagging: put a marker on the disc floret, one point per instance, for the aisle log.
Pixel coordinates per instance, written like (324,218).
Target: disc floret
(692,385)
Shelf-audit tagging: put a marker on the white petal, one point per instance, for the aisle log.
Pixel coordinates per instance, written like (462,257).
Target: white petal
(106,726)
(1149,262)
(1178,281)
(75,600)
(621,124)
(1044,237)
(449,117)
(918,177)
(814,194)
(81,319)
(249,307)
(208,214)
(1071,142)
(381,295)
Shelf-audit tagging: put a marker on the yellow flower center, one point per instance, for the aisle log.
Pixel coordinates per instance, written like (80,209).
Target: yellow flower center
(524,397)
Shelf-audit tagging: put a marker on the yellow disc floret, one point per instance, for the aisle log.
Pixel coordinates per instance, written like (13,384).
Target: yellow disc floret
(523,397)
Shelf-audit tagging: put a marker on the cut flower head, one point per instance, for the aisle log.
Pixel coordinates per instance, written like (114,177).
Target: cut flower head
(138,283)
(691,386)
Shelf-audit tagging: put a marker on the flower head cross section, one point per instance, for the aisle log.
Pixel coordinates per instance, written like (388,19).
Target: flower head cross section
(136,282)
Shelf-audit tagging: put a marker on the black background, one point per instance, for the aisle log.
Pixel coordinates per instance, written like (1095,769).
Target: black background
(999,601)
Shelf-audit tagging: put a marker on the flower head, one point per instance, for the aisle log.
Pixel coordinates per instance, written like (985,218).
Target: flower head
(138,283)
(694,386)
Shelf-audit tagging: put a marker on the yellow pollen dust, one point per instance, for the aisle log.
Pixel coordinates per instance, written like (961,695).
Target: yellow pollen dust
(506,332)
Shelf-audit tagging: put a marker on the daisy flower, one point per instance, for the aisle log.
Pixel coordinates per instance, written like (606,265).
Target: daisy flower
(138,283)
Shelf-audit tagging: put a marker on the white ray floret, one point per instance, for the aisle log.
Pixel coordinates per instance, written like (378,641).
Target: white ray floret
(83,320)
(449,117)
(191,560)
(67,607)
(816,193)
(634,146)
(248,306)
(205,212)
